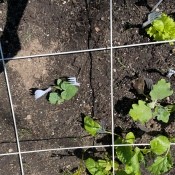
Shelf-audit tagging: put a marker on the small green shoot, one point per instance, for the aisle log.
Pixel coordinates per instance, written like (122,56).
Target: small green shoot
(91,126)
(162,28)
(145,110)
(63,90)
(99,167)
(128,159)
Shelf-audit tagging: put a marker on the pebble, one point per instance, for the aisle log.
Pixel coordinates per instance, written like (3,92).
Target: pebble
(173,51)
(97,29)
(10,150)
(29,117)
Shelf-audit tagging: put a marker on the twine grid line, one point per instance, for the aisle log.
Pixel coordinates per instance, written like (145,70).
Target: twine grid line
(112,94)
(19,152)
(87,50)
(12,110)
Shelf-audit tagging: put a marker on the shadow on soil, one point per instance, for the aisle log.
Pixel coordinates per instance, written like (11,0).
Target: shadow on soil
(9,39)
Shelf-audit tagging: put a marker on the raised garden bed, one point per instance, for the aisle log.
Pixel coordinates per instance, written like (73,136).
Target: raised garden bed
(48,27)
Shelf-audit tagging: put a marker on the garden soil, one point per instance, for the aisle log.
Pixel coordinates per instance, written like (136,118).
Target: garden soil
(41,27)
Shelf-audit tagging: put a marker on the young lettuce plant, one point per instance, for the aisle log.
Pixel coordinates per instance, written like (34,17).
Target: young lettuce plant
(63,90)
(128,159)
(162,28)
(152,107)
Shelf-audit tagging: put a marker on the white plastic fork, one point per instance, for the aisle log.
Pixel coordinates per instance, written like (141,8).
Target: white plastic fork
(170,73)
(39,93)
(151,17)
(73,81)
(155,7)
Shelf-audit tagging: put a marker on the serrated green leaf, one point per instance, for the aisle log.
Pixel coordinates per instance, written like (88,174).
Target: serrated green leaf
(91,126)
(162,114)
(130,138)
(69,91)
(53,98)
(140,112)
(160,165)
(158,25)
(135,161)
(160,145)
(161,90)
(162,28)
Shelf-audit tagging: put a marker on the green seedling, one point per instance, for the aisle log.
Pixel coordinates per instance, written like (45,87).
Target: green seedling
(162,28)
(153,107)
(63,90)
(128,159)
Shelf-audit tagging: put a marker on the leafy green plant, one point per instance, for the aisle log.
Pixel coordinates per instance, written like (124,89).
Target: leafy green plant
(63,90)
(162,28)
(153,107)
(128,159)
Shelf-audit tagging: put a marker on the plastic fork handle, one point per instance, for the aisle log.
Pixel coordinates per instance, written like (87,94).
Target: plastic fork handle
(146,23)
(154,8)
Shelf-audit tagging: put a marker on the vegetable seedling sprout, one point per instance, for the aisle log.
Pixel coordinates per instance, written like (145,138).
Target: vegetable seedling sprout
(129,159)
(162,29)
(152,107)
(61,91)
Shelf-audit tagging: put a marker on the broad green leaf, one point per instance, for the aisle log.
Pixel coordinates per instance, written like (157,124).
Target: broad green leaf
(161,165)
(60,100)
(162,114)
(160,145)
(128,169)
(135,161)
(102,163)
(130,138)
(92,166)
(108,166)
(100,172)
(161,90)
(91,126)
(53,98)
(121,172)
(124,154)
(69,90)
(140,112)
